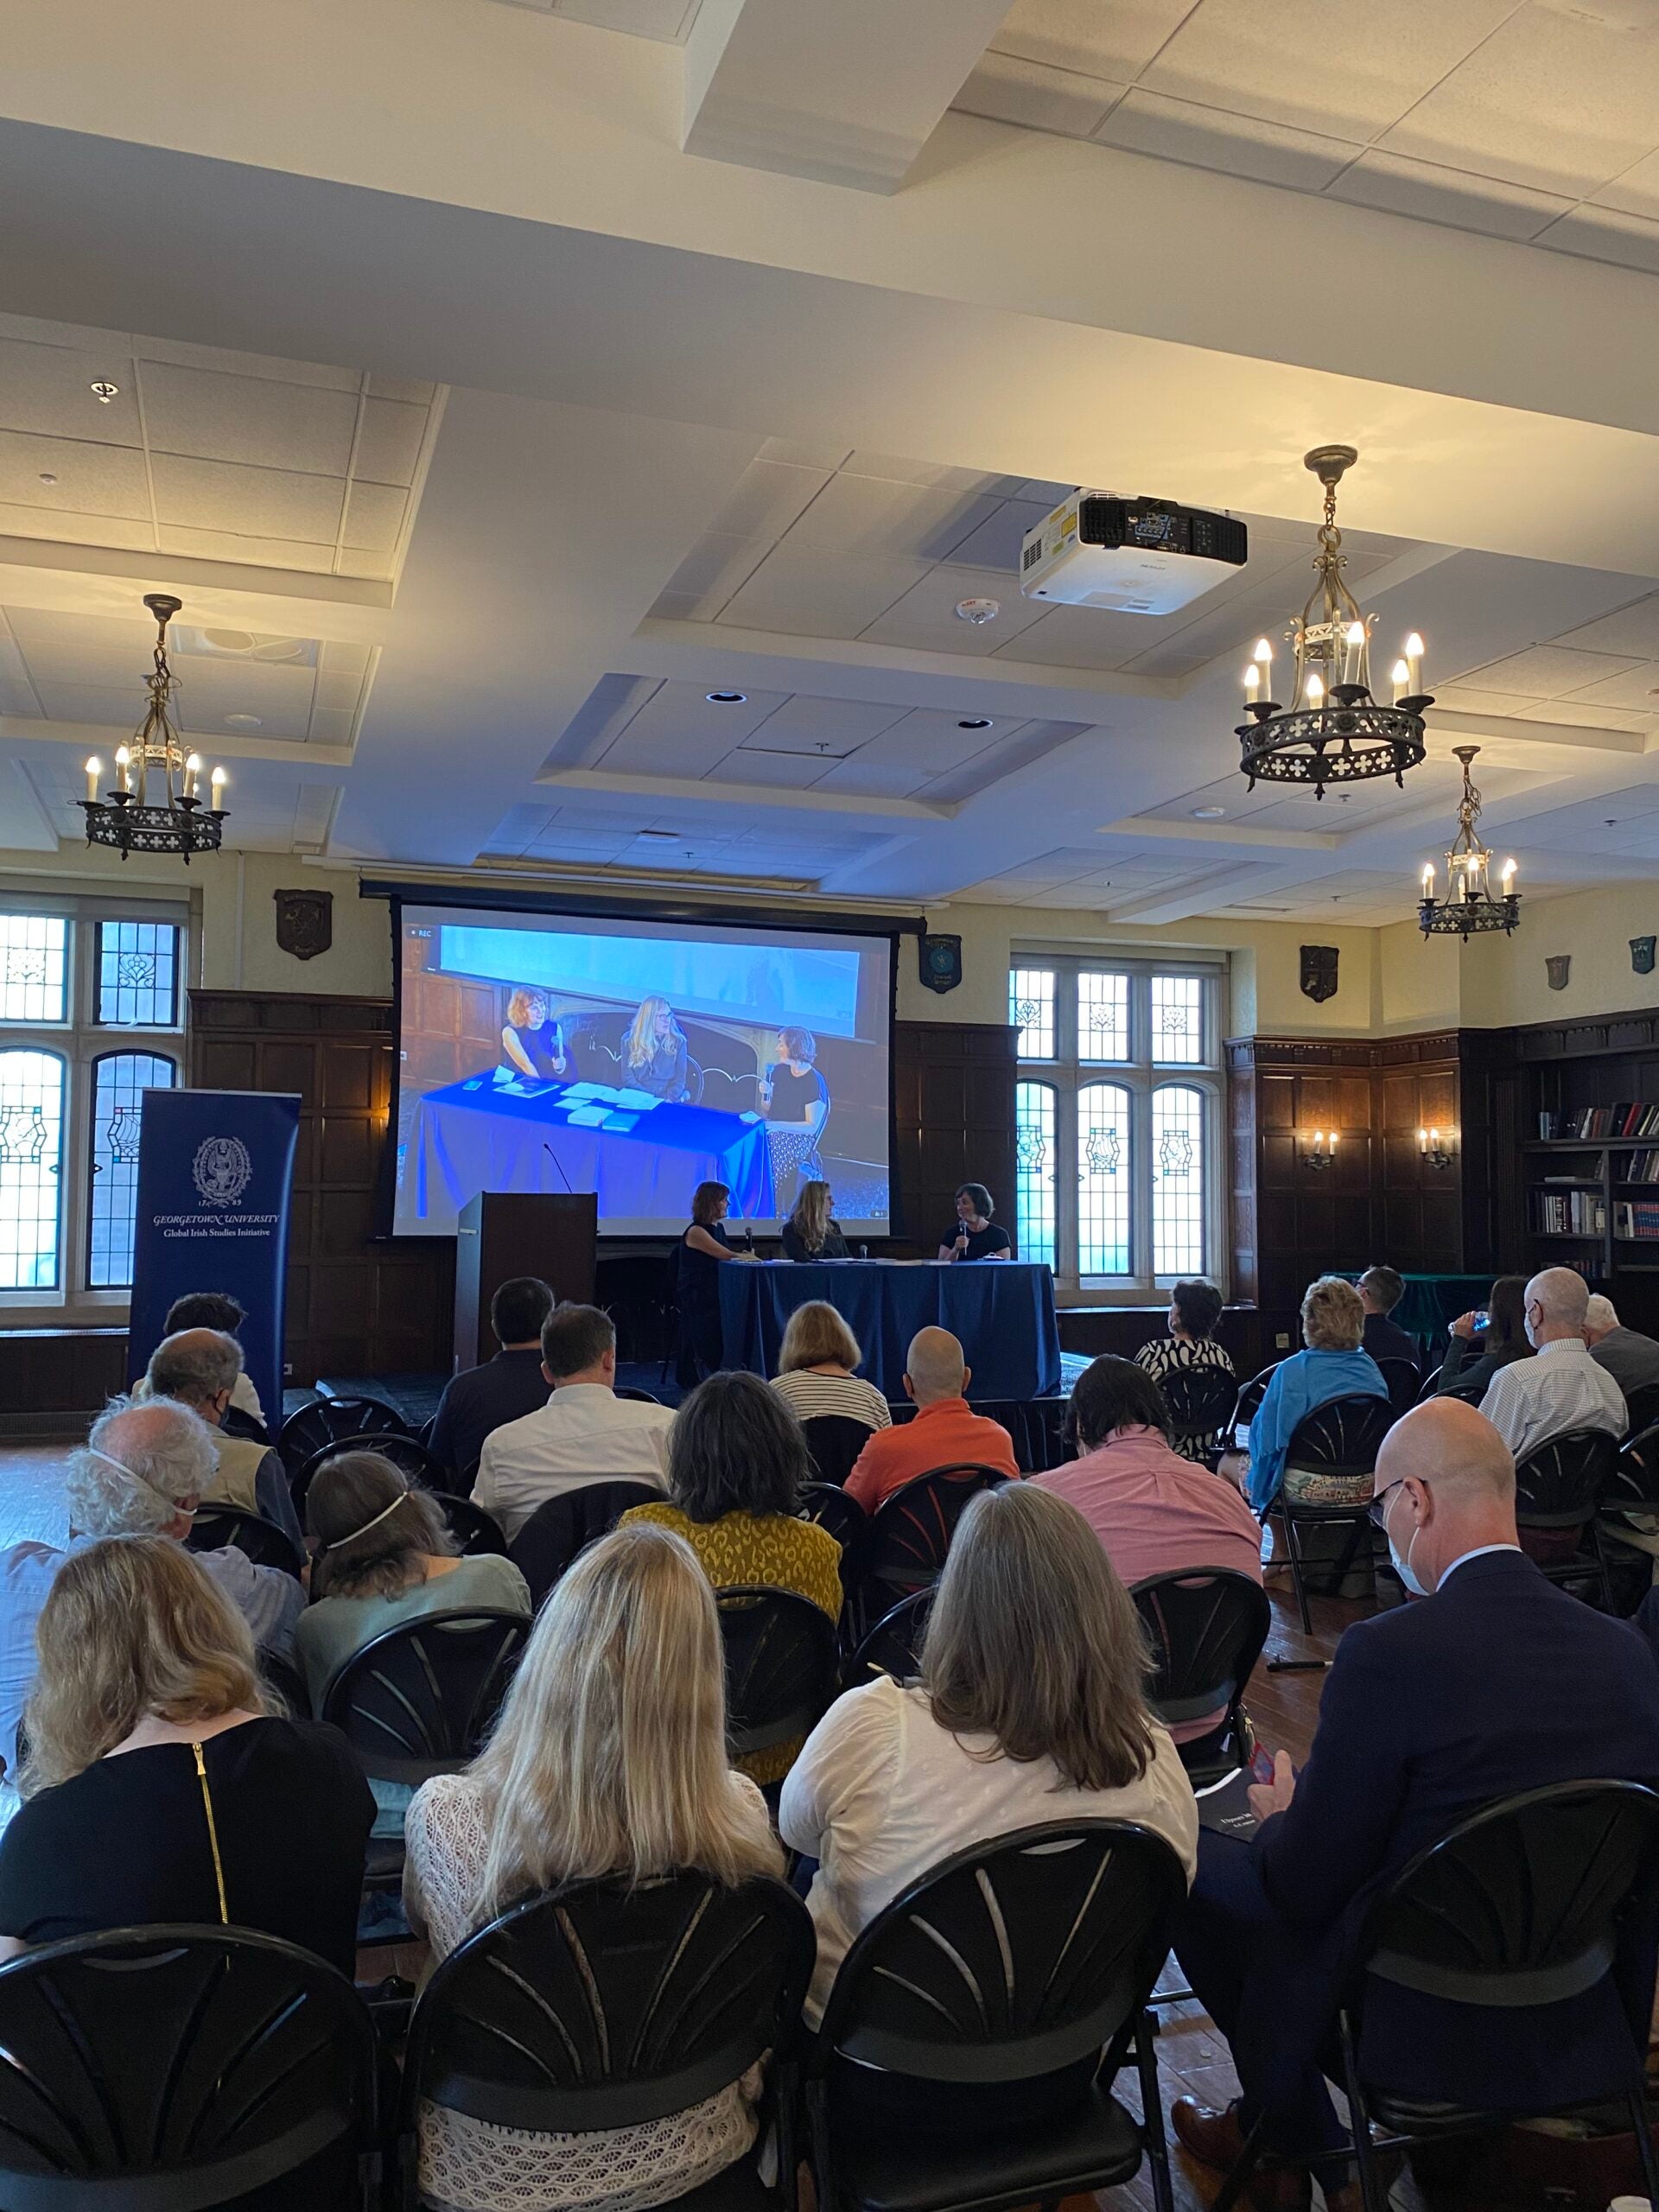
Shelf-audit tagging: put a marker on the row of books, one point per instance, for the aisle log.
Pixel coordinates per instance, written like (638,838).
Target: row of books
(1641,1167)
(1637,1219)
(1569,1213)
(1627,1117)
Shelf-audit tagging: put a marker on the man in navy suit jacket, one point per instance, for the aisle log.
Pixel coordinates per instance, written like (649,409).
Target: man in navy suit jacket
(1497,1681)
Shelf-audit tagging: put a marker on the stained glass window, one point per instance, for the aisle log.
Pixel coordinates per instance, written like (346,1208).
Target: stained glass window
(1034,1150)
(120,1080)
(34,967)
(1104,1170)
(138,974)
(1031,1011)
(1103,1016)
(1176,1180)
(1178,1019)
(31,1161)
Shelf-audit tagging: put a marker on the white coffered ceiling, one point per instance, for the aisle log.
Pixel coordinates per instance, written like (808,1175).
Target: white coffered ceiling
(485,431)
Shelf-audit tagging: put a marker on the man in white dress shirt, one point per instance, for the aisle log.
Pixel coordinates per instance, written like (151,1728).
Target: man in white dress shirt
(584,1433)
(1532,1400)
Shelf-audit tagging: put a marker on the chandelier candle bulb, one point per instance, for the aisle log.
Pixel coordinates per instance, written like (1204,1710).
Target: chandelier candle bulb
(94,769)
(192,774)
(123,761)
(1354,640)
(1252,684)
(1509,877)
(1414,664)
(219,780)
(1429,880)
(1263,659)
(1315,690)
(1400,676)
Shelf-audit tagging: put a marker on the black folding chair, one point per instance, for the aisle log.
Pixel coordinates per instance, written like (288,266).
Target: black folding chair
(834,1441)
(911,1532)
(611,2003)
(639,1396)
(286,1683)
(1405,1381)
(780,1665)
(1641,1405)
(333,1420)
(1559,1492)
(1520,1905)
(849,1524)
(1633,1486)
(184,2067)
(1206,1627)
(975,2028)
(477,1533)
(233,1421)
(893,1646)
(558,1531)
(1250,1395)
(1340,1439)
(414,1460)
(1200,1400)
(259,1539)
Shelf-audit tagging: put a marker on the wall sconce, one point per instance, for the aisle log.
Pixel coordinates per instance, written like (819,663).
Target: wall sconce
(1433,1152)
(1324,1149)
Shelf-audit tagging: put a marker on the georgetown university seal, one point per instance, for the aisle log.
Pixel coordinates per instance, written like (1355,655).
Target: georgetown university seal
(222,1170)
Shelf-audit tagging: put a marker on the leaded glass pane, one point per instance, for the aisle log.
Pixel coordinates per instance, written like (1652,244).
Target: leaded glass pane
(1033,1127)
(138,974)
(31,1161)
(1031,1011)
(1178,1019)
(1104,1170)
(1103,1017)
(34,967)
(1178,1166)
(120,1080)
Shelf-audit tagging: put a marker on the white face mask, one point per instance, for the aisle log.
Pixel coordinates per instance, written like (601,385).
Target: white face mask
(1403,1567)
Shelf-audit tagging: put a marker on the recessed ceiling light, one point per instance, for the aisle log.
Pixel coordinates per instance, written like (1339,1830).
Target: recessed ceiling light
(975,721)
(671,836)
(47,477)
(1208,813)
(726,698)
(244,722)
(978,611)
(104,393)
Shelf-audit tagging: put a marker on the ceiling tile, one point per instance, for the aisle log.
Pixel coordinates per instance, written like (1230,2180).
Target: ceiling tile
(873,778)
(683,606)
(374,515)
(375,567)
(414,390)
(1180,130)
(930,475)
(1602,234)
(1638,689)
(809,595)
(1636,191)
(793,770)
(1085,637)
(1578,715)
(828,457)
(678,732)
(1257,57)
(768,497)
(801,724)
(251,502)
(87,702)
(89,479)
(925,618)
(1633,630)
(869,515)
(338,692)
(1553,98)
(47,389)
(212,416)
(270,366)
(929,739)
(389,441)
(119,534)
(1547,672)
(331,726)
(257,552)
(1418,189)
(1028,92)
(1115,42)
(995,544)
(1472,699)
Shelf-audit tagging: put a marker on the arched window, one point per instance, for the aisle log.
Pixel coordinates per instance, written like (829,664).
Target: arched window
(120,1081)
(1104,1179)
(1178,1179)
(1035,1152)
(31,1166)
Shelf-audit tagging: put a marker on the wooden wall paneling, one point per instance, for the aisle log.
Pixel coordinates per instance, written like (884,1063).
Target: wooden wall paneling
(953,1089)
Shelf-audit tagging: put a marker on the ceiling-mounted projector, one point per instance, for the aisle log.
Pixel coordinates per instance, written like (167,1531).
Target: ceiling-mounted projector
(1136,557)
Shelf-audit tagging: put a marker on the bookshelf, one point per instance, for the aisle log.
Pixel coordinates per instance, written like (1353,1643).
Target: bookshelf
(1591,1173)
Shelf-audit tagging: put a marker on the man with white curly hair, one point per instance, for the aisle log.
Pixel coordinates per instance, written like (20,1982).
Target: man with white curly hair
(141,1473)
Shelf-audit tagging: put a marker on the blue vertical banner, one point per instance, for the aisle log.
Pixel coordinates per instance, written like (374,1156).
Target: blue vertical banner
(215,1184)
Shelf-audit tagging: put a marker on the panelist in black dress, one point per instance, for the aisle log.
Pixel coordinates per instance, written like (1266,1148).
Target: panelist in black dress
(976,1235)
(530,1042)
(703,1246)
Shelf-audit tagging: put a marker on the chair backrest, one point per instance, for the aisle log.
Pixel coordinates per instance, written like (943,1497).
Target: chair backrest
(639,1396)
(1635,1479)
(331,1420)
(834,1441)
(1250,1395)
(477,1533)
(610,2004)
(1201,1399)
(235,1421)
(182,2067)
(1559,1484)
(1404,1378)
(911,1531)
(1010,1961)
(558,1531)
(894,1645)
(420,1700)
(414,1460)
(261,1540)
(285,1682)
(847,1521)
(1206,1627)
(1341,1437)
(1642,1407)
(1519,1903)
(780,1665)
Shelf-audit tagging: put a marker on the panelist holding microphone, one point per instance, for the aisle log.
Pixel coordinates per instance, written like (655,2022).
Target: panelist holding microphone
(978,1236)
(795,1102)
(530,1042)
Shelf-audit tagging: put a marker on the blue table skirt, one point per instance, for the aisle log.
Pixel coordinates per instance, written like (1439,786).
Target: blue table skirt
(471,1136)
(1003,1312)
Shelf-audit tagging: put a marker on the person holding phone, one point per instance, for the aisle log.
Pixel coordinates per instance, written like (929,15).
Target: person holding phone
(975,1237)
(1484,1340)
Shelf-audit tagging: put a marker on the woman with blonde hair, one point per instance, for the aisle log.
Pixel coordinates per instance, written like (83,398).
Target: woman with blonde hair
(530,1041)
(815,1374)
(158,1785)
(609,1758)
(1030,1709)
(653,1050)
(1331,1365)
(812,1231)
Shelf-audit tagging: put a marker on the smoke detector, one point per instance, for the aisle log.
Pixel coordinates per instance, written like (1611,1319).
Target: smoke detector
(978,611)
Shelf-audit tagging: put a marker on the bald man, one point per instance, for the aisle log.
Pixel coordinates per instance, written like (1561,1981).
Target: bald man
(945,1432)
(1532,1400)
(1496,1681)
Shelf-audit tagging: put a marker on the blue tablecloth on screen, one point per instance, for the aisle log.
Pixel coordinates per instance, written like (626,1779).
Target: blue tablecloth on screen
(466,1140)
(1003,1312)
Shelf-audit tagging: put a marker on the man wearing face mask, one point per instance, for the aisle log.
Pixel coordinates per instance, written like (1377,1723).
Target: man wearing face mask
(1532,1400)
(1496,1682)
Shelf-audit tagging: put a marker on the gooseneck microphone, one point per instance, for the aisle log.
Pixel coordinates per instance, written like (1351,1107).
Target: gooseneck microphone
(554,1156)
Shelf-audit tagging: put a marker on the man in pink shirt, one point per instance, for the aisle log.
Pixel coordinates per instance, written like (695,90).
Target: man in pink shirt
(1152,1511)
(946,1429)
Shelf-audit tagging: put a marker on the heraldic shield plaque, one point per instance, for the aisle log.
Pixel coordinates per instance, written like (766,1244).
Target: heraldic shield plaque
(1642,955)
(305,922)
(1319,972)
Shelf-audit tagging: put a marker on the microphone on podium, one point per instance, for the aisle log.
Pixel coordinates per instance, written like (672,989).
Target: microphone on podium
(554,1156)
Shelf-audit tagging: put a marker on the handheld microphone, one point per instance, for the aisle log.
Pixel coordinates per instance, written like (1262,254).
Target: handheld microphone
(554,1156)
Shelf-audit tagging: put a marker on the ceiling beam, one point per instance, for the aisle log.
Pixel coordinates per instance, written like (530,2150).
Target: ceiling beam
(102,738)
(804,800)
(42,573)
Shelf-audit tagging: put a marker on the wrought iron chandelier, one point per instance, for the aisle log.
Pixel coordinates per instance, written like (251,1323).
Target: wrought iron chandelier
(135,816)
(1470,907)
(1332,730)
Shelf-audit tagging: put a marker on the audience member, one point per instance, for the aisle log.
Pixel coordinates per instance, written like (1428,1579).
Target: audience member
(736,1461)
(1381,1290)
(946,1429)
(976,1235)
(142,1472)
(1194,1310)
(212,1309)
(1029,1709)
(1503,1340)
(811,1232)
(158,1786)
(814,1375)
(1532,1400)
(1331,1366)
(1501,1682)
(199,1368)
(506,1388)
(584,1433)
(1629,1357)
(1152,1510)
(609,1758)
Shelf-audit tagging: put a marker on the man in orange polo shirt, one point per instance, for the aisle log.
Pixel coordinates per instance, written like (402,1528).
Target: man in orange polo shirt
(946,1429)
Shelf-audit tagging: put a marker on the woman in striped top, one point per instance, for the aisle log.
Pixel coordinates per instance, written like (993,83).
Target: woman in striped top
(815,1370)
(1194,1310)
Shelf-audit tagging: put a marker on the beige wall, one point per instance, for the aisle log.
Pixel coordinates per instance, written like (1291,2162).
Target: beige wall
(1505,981)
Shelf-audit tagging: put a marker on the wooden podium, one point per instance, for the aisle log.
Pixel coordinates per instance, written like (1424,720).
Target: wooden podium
(501,1234)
